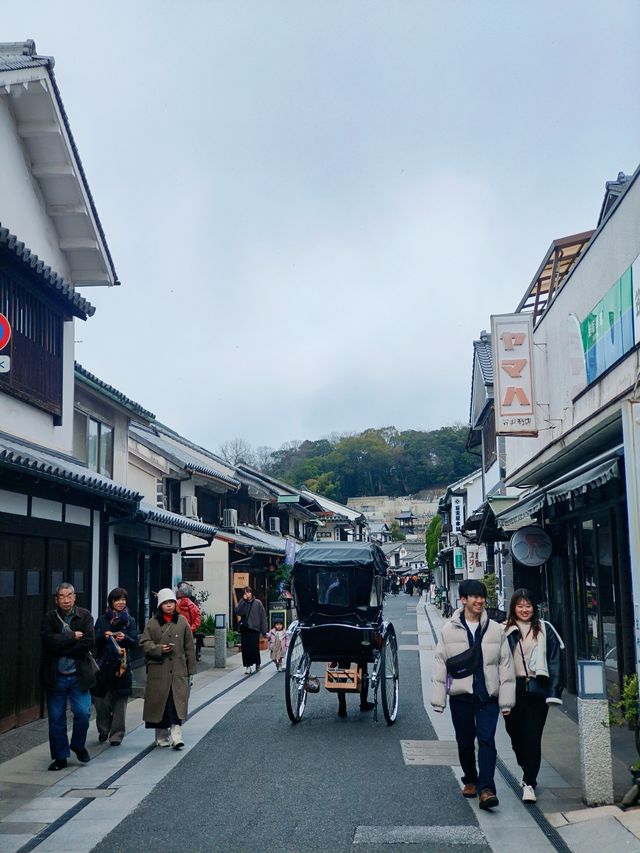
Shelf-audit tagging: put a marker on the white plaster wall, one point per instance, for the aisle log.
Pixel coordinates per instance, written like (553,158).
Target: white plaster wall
(22,208)
(143,482)
(615,249)
(216,574)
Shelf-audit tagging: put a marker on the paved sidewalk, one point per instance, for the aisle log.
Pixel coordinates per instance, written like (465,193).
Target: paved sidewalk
(24,758)
(559,792)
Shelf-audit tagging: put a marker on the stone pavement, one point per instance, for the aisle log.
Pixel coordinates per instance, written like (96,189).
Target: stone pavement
(25,782)
(606,829)
(32,799)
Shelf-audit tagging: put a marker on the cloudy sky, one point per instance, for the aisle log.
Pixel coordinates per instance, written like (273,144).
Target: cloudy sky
(315,207)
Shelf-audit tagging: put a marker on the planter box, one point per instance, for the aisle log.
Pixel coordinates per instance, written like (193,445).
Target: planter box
(208,641)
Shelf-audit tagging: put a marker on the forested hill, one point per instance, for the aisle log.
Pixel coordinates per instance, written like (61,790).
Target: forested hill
(375,462)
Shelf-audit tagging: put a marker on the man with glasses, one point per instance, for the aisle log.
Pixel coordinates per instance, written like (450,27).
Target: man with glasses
(68,673)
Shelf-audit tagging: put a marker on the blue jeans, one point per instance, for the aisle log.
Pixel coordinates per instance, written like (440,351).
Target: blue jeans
(471,720)
(67,688)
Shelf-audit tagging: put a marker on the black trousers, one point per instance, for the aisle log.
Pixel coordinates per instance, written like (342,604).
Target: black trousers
(250,641)
(525,725)
(473,720)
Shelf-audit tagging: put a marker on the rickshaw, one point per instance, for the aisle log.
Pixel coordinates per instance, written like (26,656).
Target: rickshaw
(338,590)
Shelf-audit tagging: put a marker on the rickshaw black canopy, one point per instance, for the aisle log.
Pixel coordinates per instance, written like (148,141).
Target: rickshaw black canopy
(339,582)
(360,554)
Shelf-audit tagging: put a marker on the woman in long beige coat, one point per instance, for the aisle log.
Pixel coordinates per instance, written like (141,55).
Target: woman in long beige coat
(170,656)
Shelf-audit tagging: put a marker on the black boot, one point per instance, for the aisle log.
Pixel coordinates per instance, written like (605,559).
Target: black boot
(342,704)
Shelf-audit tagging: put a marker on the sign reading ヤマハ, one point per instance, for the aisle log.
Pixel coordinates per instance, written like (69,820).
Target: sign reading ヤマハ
(512,343)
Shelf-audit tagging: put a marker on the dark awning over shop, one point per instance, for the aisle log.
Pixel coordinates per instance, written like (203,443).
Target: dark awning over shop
(592,474)
(590,479)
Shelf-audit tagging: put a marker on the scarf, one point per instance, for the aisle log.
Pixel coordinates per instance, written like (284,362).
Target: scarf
(123,616)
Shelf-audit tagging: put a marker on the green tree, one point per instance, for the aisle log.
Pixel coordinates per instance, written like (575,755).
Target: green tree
(432,540)
(396,533)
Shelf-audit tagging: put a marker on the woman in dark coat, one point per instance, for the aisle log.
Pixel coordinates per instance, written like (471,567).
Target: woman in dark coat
(536,647)
(253,624)
(170,655)
(110,694)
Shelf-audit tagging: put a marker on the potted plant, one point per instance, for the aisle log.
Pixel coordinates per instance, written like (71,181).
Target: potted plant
(207,630)
(625,712)
(233,638)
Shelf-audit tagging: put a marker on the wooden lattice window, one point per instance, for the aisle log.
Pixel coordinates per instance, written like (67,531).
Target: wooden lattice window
(36,346)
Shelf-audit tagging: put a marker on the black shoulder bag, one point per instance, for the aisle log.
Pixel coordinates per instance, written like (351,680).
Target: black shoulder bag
(467,662)
(243,624)
(534,685)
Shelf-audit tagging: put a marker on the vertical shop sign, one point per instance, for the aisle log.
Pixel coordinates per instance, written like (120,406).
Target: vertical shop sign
(457,514)
(512,343)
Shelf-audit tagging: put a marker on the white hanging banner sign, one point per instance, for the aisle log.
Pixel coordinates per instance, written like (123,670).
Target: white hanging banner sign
(475,568)
(512,344)
(457,513)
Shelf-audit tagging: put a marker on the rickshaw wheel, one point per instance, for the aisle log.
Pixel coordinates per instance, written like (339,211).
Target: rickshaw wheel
(297,669)
(389,677)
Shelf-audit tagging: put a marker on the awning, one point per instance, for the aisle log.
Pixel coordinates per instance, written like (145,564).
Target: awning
(587,476)
(521,509)
(591,479)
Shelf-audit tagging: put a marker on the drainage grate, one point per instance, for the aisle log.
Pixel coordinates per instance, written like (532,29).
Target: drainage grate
(434,752)
(95,793)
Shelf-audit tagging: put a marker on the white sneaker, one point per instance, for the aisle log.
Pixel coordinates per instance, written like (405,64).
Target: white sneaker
(176,737)
(247,671)
(528,794)
(162,737)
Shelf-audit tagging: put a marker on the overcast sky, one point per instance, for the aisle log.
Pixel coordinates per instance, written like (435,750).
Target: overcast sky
(314,207)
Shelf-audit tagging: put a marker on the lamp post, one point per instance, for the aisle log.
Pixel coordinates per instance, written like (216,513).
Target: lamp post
(593,733)
(221,641)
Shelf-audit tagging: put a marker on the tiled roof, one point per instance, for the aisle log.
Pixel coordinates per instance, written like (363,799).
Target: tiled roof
(334,507)
(55,284)
(44,463)
(245,537)
(484,356)
(154,438)
(163,518)
(15,56)
(84,375)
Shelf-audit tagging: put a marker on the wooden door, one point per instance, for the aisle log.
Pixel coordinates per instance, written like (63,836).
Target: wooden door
(10,552)
(33,603)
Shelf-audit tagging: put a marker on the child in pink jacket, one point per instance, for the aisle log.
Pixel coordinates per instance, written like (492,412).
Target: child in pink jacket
(278,643)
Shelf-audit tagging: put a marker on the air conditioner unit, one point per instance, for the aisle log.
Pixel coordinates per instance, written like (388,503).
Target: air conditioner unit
(230,519)
(274,525)
(189,506)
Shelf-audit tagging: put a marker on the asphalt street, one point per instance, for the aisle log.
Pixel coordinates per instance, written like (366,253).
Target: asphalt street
(257,782)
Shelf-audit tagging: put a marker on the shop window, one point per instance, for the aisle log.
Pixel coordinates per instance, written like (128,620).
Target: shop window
(193,568)
(93,443)
(33,582)
(7,584)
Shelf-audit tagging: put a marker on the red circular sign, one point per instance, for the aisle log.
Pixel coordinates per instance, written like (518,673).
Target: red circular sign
(5,331)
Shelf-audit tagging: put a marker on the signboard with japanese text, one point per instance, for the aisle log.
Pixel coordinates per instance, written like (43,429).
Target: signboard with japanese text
(240,580)
(515,404)
(475,567)
(457,513)
(458,560)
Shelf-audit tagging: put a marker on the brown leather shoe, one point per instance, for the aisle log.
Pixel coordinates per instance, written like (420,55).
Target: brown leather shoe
(470,791)
(488,800)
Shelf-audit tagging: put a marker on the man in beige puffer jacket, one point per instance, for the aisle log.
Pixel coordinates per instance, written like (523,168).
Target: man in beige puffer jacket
(476,700)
